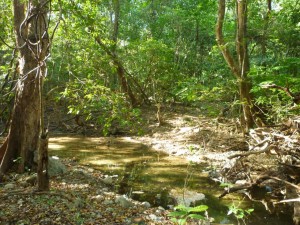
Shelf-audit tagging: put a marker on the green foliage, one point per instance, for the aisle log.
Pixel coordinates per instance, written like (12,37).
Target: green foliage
(229,185)
(101,106)
(275,104)
(239,213)
(183,213)
(169,53)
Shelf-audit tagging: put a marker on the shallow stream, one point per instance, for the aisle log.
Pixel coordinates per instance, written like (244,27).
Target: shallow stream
(152,176)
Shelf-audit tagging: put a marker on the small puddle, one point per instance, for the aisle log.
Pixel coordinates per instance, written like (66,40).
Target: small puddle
(147,175)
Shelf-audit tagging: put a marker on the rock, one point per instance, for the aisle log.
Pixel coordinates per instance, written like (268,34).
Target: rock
(32,179)
(187,197)
(124,201)
(146,205)
(9,186)
(155,218)
(90,170)
(161,208)
(55,166)
(108,180)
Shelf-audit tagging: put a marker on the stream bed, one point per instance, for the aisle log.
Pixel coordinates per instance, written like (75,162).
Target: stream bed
(155,177)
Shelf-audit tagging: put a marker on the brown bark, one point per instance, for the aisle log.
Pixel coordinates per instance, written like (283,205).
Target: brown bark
(32,40)
(241,41)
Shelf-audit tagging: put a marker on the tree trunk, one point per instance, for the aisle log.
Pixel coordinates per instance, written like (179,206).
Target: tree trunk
(244,64)
(32,41)
(240,66)
(42,171)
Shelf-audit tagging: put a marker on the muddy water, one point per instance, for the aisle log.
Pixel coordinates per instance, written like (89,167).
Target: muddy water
(147,175)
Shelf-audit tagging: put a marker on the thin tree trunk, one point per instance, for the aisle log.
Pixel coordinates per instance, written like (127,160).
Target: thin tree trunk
(244,64)
(240,66)
(222,45)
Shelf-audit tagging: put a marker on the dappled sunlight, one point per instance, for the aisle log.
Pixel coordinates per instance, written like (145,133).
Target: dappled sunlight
(149,170)
(56,146)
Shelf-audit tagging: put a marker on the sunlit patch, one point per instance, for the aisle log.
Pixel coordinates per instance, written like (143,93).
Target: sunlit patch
(55,146)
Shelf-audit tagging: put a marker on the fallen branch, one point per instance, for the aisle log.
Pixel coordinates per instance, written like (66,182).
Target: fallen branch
(21,192)
(281,180)
(266,149)
(289,200)
(257,182)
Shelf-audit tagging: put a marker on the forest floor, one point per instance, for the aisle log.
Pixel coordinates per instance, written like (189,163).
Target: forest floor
(81,197)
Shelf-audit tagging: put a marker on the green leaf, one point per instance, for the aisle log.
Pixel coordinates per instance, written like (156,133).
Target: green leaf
(177,213)
(182,221)
(196,216)
(226,185)
(249,211)
(199,208)
(182,208)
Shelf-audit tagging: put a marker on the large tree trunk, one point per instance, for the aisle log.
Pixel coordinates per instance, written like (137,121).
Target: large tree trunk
(32,41)
(240,65)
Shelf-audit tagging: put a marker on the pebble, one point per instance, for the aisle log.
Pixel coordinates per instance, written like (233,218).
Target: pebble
(108,202)
(154,218)
(91,170)
(146,205)
(161,208)
(124,201)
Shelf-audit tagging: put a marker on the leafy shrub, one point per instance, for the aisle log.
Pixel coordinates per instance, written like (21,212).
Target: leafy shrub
(101,106)
(182,213)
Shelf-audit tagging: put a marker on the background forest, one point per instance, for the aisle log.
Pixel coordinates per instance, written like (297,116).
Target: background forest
(108,55)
